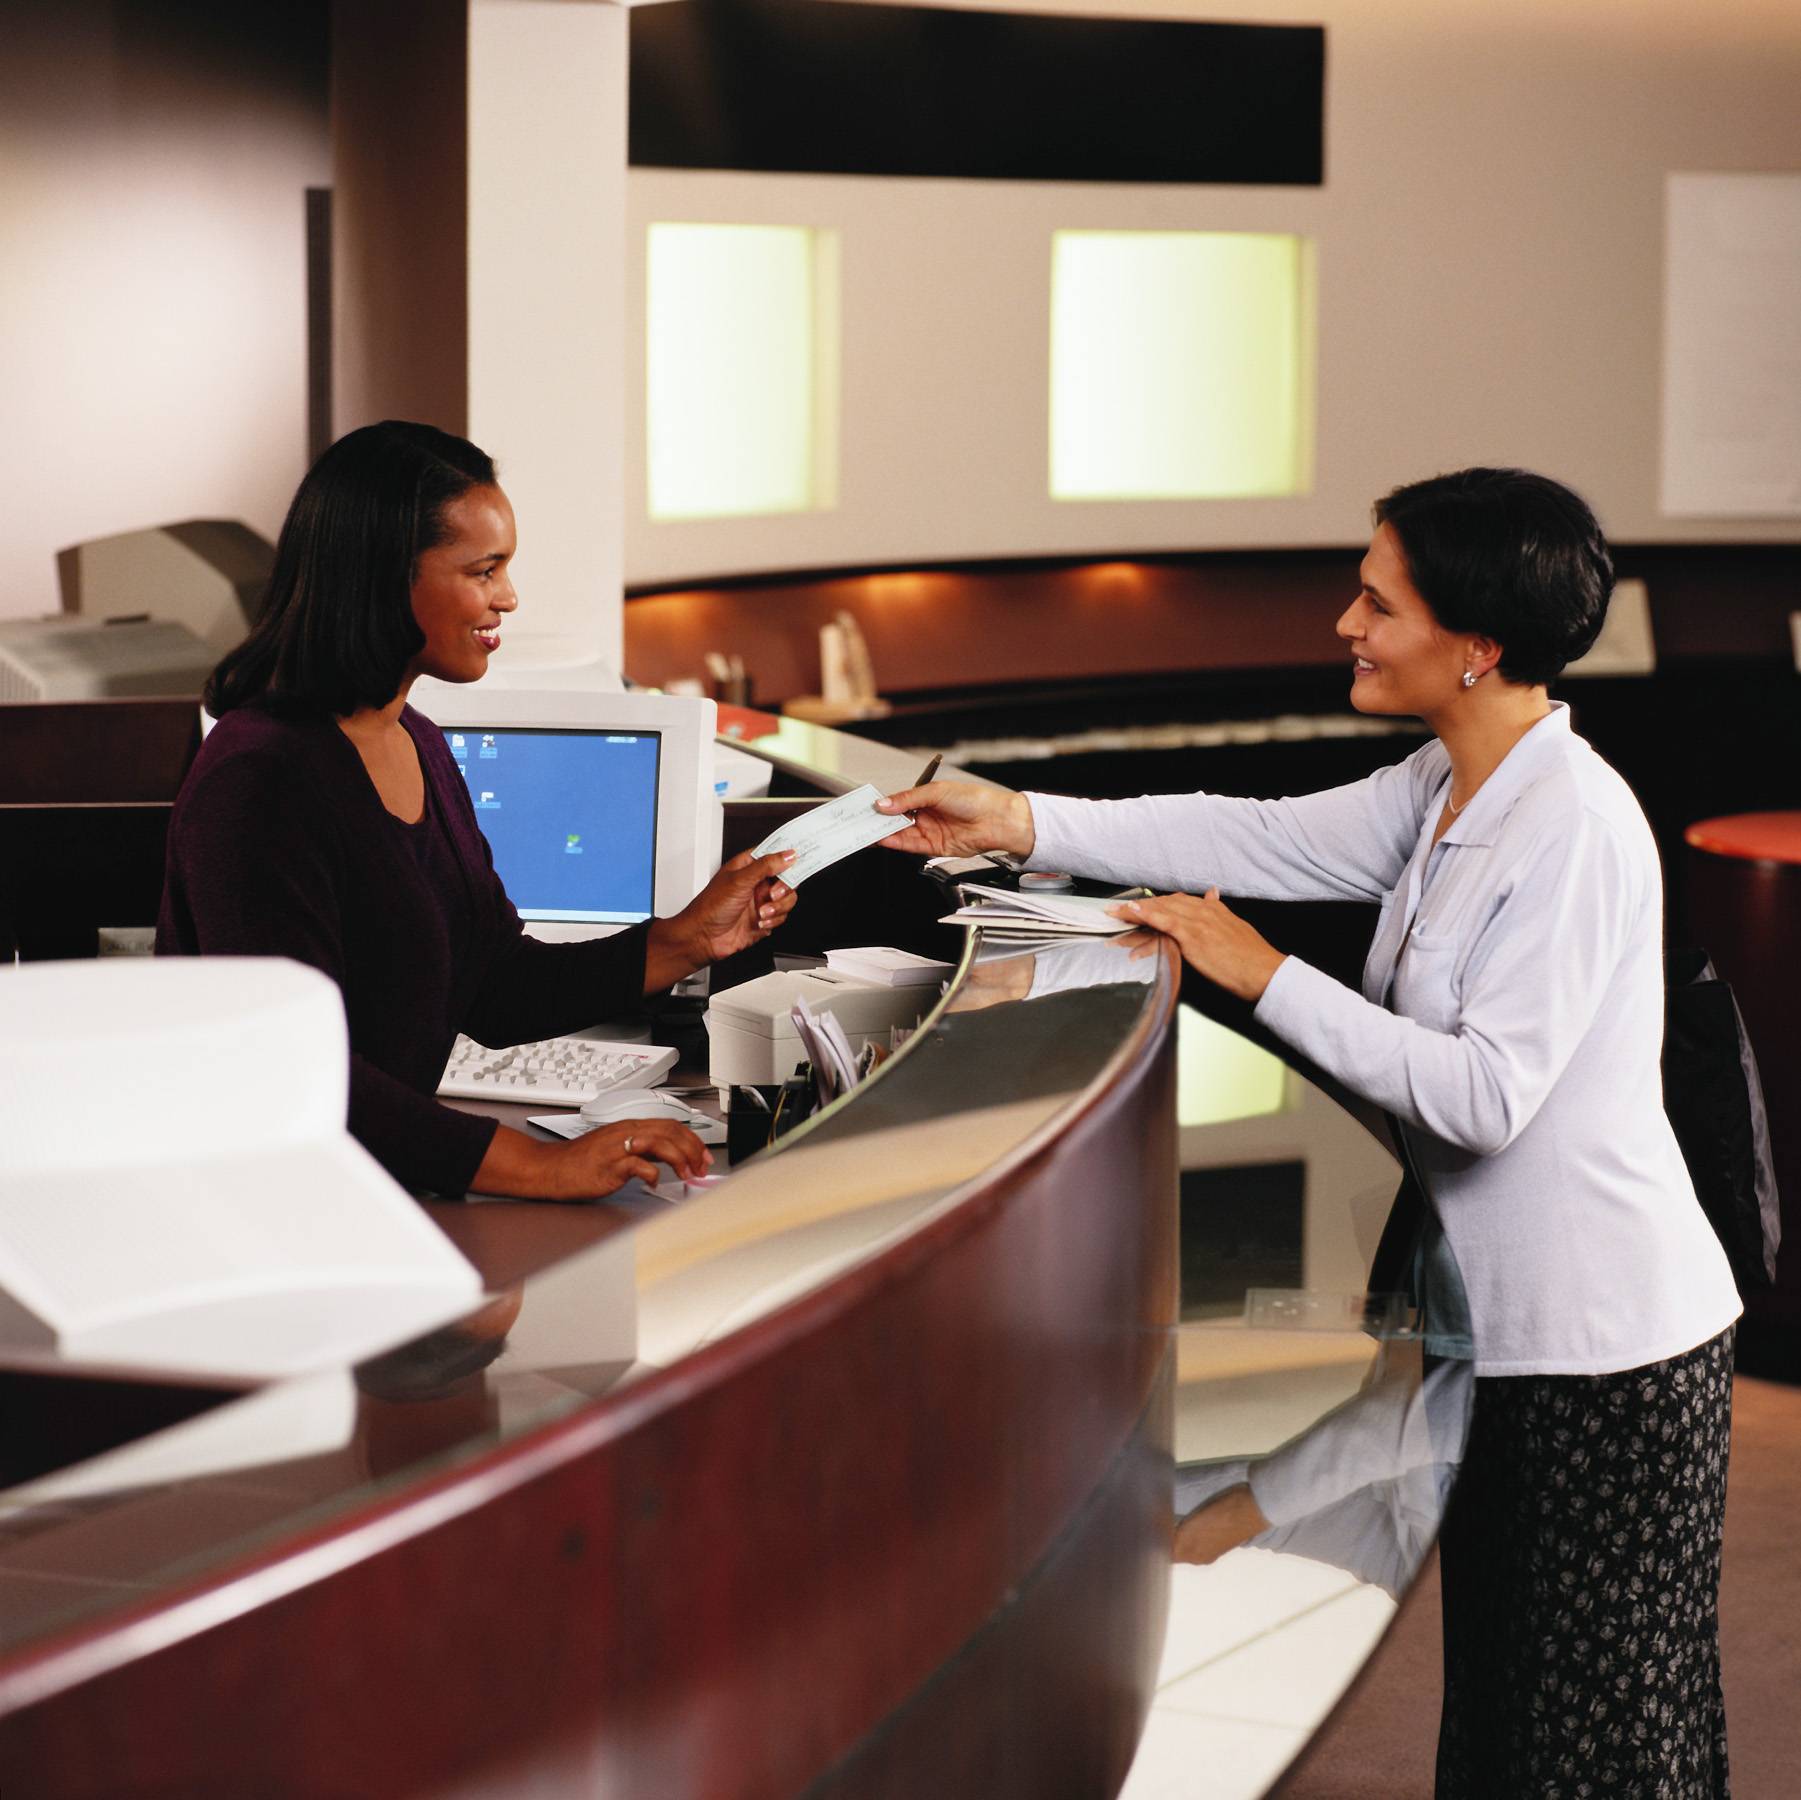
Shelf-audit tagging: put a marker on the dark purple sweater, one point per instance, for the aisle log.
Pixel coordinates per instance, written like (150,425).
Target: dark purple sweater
(280,846)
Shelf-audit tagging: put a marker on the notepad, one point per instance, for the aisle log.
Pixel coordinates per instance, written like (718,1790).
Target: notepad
(882,966)
(1037,915)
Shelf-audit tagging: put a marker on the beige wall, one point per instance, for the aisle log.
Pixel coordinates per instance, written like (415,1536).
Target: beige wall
(479,154)
(547,153)
(1489,245)
(1489,239)
(152,269)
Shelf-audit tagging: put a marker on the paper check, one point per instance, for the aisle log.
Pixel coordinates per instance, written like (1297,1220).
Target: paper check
(832,832)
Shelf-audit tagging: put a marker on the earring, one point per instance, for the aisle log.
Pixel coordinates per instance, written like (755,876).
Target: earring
(1469,678)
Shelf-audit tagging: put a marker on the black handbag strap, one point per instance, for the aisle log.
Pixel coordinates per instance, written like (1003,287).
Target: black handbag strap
(1713,1095)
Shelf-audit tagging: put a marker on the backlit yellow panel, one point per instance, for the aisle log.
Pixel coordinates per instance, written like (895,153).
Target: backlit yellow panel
(741,383)
(1181,365)
(1220,1076)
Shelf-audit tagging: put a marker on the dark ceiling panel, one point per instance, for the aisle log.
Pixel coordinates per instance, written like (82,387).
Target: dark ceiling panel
(810,86)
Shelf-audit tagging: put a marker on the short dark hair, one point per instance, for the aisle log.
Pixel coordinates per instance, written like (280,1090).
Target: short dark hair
(336,628)
(1514,556)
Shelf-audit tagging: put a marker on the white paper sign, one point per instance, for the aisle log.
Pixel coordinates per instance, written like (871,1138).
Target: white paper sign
(1732,346)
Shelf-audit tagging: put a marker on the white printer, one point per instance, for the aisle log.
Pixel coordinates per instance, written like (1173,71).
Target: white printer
(751,1027)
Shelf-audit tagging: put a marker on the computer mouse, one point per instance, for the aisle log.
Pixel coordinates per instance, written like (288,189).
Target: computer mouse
(636,1103)
(652,1103)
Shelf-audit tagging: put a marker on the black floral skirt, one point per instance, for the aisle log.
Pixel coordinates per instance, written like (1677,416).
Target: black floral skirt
(1580,1558)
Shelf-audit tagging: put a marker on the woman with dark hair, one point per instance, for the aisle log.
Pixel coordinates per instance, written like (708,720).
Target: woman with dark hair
(325,820)
(1511,1022)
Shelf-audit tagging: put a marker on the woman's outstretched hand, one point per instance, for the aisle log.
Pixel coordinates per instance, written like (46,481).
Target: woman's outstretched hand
(1213,939)
(961,818)
(741,905)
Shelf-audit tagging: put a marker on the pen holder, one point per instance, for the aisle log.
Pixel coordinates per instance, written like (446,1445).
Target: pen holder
(756,1116)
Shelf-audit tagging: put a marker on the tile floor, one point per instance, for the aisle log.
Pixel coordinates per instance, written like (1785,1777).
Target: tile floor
(1260,1645)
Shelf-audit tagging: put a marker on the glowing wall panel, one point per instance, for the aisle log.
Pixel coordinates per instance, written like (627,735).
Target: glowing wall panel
(1220,1076)
(1181,365)
(742,348)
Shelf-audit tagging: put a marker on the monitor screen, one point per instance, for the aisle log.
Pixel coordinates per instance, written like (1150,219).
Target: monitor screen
(571,817)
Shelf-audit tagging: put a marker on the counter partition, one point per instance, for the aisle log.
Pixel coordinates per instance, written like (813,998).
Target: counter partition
(849,1477)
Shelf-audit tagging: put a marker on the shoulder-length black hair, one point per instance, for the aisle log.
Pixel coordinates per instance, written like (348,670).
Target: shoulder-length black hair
(336,630)
(1510,555)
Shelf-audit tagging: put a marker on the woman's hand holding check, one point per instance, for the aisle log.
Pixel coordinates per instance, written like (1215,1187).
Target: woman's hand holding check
(741,905)
(1213,939)
(963,818)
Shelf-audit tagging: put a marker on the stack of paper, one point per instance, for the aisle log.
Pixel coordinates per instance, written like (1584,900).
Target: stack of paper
(836,1066)
(882,967)
(1037,915)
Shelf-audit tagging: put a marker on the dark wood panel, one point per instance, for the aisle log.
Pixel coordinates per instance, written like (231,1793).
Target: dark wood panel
(818,1540)
(65,871)
(977,626)
(1020,1710)
(319,433)
(65,752)
(1711,601)
(967,626)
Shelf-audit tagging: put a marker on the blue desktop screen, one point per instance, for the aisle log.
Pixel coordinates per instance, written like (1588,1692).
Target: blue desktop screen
(571,817)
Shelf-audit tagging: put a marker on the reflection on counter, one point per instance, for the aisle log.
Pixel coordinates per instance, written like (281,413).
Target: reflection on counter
(1317,1442)
(1265,1637)
(1364,1487)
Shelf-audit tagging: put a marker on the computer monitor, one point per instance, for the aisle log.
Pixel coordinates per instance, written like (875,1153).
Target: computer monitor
(206,574)
(600,808)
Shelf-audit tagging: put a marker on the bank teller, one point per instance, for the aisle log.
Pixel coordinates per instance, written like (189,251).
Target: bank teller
(325,820)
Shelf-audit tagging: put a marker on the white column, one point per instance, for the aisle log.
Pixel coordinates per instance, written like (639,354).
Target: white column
(546,254)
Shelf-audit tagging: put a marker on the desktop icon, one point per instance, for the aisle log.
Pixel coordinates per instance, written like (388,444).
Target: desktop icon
(487,798)
(572,844)
(456,740)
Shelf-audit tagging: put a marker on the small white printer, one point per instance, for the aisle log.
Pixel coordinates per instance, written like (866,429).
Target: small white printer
(751,1027)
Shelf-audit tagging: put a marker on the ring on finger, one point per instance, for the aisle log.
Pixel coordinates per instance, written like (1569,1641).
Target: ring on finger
(628,1146)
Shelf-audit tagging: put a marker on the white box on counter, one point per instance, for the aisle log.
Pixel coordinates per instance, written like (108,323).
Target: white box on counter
(751,1030)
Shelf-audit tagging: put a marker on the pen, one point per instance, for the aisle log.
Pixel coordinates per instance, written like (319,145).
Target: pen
(930,770)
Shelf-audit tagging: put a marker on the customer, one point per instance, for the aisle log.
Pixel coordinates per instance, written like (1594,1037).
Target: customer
(1511,1020)
(325,820)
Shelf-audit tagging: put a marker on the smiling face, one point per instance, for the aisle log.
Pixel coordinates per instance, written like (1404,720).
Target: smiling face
(463,589)
(1404,661)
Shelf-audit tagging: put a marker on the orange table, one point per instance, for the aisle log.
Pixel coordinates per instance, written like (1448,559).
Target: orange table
(1768,837)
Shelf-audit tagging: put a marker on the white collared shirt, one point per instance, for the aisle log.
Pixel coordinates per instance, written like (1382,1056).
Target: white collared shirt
(1522,955)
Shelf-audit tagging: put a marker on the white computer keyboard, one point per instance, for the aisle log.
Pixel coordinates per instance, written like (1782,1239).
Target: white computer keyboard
(567,1071)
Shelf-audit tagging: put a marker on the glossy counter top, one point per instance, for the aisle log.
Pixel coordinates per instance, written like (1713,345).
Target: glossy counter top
(605,1307)
(588,1306)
